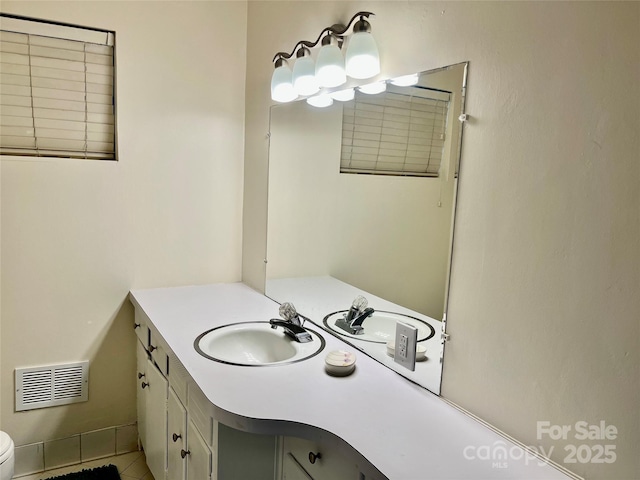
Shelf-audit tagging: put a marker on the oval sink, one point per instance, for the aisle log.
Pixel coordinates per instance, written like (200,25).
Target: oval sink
(380,327)
(255,344)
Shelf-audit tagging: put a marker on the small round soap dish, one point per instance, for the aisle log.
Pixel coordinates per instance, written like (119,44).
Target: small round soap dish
(340,363)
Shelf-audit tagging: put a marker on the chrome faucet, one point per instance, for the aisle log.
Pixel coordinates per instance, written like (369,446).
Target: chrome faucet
(352,321)
(291,323)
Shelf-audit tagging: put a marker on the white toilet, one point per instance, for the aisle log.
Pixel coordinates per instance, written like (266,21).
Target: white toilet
(6,457)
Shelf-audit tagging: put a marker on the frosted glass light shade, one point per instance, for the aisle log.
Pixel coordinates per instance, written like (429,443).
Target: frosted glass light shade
(405,80)
(320,101)
(330,67)
(304,76)
(373,88)
(362,59)
(343,95)
(281,85)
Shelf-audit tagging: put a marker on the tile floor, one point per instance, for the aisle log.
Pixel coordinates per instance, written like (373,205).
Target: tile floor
(132,466)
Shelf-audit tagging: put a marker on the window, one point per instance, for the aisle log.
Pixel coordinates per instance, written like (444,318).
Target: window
(56,90)
(398,132)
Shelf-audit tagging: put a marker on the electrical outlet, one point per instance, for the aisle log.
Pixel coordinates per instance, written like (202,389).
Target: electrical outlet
(406,341)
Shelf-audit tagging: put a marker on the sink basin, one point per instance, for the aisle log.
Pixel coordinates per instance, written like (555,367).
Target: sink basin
(380,327)
(255,344)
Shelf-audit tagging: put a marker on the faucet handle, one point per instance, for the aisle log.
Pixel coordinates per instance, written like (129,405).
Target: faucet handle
(357,307)
(289,313)
(360,303)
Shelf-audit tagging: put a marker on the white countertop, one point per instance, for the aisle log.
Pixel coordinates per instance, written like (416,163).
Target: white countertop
(403,430)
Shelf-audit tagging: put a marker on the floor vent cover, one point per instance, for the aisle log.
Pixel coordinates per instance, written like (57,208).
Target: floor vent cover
(51,385)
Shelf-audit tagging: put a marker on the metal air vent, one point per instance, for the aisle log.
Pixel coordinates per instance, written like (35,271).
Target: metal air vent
(51,385)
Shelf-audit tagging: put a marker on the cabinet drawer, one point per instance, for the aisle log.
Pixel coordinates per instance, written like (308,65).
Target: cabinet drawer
(141,327)
(158,351)
(292,470)
(328,466)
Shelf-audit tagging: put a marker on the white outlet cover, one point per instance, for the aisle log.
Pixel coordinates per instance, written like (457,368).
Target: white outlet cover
(405,355)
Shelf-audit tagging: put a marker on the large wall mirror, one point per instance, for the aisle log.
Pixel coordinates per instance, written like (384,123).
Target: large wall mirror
(361,204)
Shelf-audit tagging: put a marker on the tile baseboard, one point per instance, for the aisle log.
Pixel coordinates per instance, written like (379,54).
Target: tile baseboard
(75,449)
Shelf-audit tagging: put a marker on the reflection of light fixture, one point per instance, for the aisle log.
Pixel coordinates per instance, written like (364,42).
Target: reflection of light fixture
(321,101)
(405,80)
(281,83)
(343,95)
(373,88)
(329,71)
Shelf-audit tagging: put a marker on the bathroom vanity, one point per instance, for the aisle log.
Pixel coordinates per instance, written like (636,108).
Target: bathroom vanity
(200,419)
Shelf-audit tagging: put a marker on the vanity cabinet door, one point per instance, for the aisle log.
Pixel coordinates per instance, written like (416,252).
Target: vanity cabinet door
(329,465)
(141,376)
(155,417)
(177,438)
(198,456)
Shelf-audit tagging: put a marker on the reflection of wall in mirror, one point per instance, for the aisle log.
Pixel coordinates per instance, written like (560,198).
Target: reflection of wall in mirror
(383,234)
(303,148)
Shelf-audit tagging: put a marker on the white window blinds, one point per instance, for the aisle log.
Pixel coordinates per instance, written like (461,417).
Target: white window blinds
(395,133)
(56,91)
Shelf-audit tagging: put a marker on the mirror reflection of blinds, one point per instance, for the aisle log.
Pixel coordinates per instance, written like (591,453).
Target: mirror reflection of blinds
(394,133)
(56,94)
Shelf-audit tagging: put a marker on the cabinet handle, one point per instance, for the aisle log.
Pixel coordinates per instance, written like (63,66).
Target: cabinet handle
(140,375)
(184,453)
(136,325)
(176,437)
(144,385)
(152,348)
(314,456)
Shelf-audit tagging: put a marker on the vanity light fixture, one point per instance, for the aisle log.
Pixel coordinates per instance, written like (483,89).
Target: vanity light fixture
(373,88)
(330,69)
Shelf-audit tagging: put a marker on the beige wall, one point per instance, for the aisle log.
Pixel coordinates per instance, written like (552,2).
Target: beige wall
(77,235)
(543,305)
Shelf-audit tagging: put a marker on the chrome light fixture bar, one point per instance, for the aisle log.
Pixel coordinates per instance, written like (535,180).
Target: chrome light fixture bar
(330,70)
